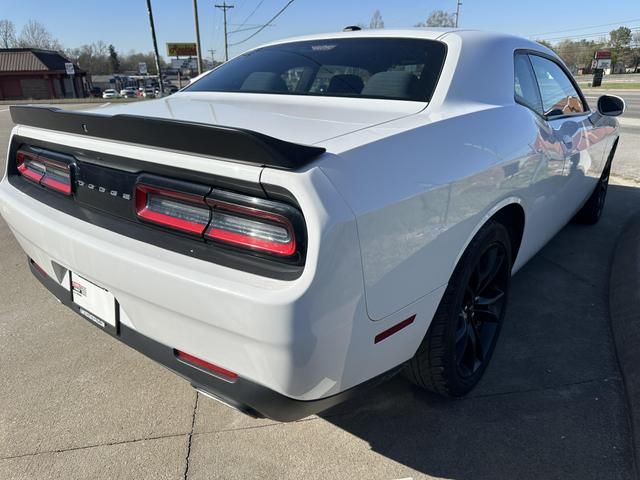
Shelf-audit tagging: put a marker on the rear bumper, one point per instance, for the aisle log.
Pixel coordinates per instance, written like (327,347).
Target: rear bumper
(308,339)
(243,395)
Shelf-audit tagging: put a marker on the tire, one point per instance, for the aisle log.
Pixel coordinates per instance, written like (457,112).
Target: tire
(448,361)
(591,211)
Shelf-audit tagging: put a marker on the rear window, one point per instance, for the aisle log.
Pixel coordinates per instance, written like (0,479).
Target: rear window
(388,68)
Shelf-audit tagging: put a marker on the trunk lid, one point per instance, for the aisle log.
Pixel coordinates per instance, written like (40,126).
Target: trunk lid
(300,119)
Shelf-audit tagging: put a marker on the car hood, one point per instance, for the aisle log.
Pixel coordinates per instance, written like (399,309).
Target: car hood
(295,118)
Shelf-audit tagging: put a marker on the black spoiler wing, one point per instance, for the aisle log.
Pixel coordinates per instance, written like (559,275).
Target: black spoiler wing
(234,144)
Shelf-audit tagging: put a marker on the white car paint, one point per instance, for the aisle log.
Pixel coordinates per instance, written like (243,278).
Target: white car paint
(110,93)
(389,208)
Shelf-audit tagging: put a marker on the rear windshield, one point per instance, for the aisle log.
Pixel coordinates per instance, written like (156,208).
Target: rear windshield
(389,68)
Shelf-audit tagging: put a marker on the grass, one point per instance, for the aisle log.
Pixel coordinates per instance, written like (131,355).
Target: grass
(614,86)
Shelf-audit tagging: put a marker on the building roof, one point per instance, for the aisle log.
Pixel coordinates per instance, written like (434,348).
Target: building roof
(32,60)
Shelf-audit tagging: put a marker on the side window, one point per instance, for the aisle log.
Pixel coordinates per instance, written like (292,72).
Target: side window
(559,96)
(526,88)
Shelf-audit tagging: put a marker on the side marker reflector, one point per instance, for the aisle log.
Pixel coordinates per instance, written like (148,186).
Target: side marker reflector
(396,328)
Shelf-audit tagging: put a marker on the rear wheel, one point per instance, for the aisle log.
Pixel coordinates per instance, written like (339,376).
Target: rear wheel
(591,211)
(460,341)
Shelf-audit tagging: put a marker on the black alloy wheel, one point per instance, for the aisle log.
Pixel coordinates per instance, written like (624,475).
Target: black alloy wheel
(482,309)
(464,331)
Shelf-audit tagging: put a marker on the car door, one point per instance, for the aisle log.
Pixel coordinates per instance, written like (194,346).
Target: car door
(546,157)
(582,144)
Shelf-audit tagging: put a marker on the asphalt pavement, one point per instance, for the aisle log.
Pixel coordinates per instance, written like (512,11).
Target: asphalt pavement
(75,403)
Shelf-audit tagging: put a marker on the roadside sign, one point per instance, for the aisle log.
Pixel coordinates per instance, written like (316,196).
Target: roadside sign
(68,66)
(603,54)
(142,68)
(182,49)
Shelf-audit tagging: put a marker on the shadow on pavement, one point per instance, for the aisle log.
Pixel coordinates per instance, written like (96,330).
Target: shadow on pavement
(552,402)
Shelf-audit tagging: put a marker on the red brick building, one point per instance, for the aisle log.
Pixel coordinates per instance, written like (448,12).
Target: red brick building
(31,73)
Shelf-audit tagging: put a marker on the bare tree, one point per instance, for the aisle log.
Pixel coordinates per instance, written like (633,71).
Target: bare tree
(36,35)
(7,34)
(439,18)
(376,20)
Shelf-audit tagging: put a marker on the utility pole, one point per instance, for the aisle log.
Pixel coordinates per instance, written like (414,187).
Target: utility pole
(458,3)
(155,47)
(213,59)
(224,8)
(198,48)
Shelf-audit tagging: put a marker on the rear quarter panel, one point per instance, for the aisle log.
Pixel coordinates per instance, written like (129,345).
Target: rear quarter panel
(420,192)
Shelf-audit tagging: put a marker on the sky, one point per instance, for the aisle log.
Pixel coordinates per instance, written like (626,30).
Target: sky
(125,24)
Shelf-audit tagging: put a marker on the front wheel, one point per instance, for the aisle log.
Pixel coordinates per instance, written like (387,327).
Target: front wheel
(463,333)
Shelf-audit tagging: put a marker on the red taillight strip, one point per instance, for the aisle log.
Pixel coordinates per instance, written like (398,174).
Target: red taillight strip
(227,374)
(56,185)
(396,328)
(145,213)
(42,178)
(21,159)
(30,174)
(248,241)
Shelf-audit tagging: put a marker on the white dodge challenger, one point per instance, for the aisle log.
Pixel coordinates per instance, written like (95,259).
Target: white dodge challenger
(318,213)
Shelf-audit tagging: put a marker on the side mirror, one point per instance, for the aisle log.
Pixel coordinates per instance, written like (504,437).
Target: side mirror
(611,106)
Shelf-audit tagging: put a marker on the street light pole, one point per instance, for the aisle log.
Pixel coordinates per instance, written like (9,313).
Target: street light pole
(198,47)
(224,8)
(155,47)
(458,3)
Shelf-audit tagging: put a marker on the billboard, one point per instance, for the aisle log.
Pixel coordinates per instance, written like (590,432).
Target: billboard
(181,49)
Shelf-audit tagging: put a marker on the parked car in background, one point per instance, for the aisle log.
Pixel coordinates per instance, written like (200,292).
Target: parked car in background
(317,214)
(128,92)
(168,90)
(110,93)
(95,92)
(149,92)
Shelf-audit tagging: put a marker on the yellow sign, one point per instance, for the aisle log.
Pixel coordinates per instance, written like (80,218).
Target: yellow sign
(181,49)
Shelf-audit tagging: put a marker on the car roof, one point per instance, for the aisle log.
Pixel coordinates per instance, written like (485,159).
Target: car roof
(417,33)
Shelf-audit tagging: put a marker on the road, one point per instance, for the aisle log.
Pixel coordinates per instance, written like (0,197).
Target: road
(627,157)
(75,403)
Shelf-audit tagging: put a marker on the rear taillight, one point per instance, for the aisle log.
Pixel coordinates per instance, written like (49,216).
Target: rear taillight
(48,172)
(226,218)
(181,211)
(251,228)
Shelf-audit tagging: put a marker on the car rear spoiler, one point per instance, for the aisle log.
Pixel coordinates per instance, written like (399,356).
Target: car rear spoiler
(234,144)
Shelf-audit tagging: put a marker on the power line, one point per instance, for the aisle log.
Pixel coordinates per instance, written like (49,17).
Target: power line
(265,25)
(585,28)
(244,22)
(248,29)
(587,35)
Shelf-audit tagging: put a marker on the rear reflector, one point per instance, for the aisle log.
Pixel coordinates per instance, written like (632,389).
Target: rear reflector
(49,173)
(251,228)
(219,371)
(177,210)
(396,328)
